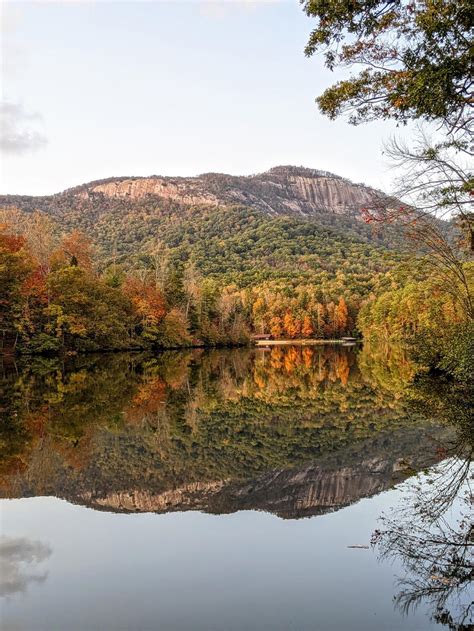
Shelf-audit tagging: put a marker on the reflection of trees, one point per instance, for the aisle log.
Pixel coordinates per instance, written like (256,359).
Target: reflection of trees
(436,552)
(451,402)
(187,415)
(431,533)
(387,366)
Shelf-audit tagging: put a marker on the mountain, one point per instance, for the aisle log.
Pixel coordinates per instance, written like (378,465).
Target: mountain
(281,190)
(225,256)
(290,223)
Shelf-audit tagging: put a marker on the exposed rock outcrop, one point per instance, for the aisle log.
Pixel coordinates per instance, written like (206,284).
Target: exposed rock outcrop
(281,190)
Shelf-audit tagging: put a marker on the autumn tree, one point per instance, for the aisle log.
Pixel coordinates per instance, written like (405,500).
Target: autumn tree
(276,328)
(321,318)
(148,306)
(307,329)
(174,330)
(330,326)
(77,249)
(259,313)
(341,316)
(291,325)
(413,62)
(42,237)
(14,270)
(84,313)
(192,280)
(414,59)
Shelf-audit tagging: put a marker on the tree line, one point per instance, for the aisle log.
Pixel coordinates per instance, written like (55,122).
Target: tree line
(55,296)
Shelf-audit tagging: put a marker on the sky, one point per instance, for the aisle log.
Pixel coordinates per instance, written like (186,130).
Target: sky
(97,89)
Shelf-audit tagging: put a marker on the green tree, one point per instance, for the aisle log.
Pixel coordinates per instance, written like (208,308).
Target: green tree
(14,271)
(85,313)
(414,58)
(414,62)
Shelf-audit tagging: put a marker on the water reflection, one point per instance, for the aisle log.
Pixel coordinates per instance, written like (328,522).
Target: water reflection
(18,558)
(295,431)
(436,547)
(431,532)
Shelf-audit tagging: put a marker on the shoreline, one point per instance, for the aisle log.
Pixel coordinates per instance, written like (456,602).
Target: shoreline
(305,342)
(138,349)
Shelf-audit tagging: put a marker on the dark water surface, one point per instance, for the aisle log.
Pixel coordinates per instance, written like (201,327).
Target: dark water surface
(224,490)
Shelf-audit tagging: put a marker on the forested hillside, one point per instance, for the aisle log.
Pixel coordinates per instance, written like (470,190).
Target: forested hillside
(160,272)
(97,268)
(121,215)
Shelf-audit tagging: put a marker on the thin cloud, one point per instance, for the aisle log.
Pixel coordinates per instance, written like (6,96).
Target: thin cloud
(17,129)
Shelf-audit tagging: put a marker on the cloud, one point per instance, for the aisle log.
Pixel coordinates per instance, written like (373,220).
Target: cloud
(15,554)
(17,132)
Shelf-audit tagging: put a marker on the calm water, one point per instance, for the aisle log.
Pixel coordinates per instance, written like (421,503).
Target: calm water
(287,488)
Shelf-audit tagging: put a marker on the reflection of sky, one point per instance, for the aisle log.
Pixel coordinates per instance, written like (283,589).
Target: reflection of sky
(185,571)
(18,560)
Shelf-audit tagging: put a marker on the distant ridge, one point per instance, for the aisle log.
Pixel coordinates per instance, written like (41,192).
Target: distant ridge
(282,190)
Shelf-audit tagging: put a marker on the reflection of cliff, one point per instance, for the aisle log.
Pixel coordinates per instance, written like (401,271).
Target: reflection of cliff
(292,431)
(322,485)
(290,494)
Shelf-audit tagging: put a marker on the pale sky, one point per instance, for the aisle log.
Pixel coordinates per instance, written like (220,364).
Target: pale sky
(97,89)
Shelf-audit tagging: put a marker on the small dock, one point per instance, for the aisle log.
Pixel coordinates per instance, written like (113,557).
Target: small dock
(305,342)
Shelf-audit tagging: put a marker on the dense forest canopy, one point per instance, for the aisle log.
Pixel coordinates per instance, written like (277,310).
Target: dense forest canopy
(165,275)
(159,275)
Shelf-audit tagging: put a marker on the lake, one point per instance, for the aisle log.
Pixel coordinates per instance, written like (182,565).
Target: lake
(305,488)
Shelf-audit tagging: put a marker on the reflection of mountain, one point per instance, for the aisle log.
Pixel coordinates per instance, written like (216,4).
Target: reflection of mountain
(318,487)
(294,432)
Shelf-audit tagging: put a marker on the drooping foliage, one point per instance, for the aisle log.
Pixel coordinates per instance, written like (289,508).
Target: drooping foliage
(414,58)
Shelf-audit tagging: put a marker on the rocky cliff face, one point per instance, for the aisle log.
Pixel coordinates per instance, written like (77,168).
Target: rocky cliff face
(282,190)
(186,191)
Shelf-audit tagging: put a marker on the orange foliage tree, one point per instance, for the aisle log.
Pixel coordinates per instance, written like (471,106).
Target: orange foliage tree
(276,328)
(147,300)
(307,329)
(341,316)
(78,248)
(291,325)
